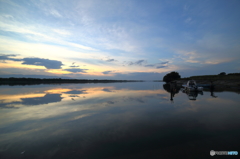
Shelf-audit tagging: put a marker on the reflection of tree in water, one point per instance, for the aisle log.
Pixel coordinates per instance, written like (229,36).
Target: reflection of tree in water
(167,88)
(171,88)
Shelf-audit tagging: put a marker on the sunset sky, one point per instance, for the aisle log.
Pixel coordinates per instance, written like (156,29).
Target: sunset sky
(118,39)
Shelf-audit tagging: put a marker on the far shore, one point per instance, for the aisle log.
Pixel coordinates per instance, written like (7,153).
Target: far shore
(230,84)
(32,81)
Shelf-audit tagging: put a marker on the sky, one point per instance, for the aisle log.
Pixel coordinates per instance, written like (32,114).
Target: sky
(118,39)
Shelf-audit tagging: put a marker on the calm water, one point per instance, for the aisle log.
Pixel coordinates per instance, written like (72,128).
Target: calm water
(115,120)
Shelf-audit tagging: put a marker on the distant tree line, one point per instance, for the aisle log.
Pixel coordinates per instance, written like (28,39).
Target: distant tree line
(14,80)
(231,74)
(221,76)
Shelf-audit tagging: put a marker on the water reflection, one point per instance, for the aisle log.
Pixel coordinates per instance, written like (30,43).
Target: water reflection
(115,121)
(172,88)
(31,101)
(212,91)
(76,92)
(192,95)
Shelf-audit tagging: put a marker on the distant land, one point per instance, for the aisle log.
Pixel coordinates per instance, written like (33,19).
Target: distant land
(29,81)
(221,76)
(32,76)
(221,81)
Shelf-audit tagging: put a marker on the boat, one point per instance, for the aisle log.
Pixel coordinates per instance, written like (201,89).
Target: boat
(192,86)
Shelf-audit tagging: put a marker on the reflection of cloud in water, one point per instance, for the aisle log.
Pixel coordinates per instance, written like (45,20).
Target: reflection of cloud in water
(156,96)
(110,102)
(73,96)
(76,92)
(106,90)
(48,98)
(163,97)
(137,99)
(82,116)
(8,105)
(105,118)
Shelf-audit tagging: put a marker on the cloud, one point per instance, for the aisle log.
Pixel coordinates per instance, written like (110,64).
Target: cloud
(8,57)
(49,64)
(161,66)
(110,60)
(76,70)
(74,66)
(55,13)
(149,65)
(107,72)
(164,62)
(190,56)
(31,75)
(140,76)
(41,33)
(218,61)
(188,20)
(62,32)
(139,62)
(158,65)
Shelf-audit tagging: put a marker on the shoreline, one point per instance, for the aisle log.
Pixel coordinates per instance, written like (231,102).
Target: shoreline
(33,81)
(219,85)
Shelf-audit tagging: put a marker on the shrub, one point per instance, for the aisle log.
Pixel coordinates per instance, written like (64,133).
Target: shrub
(222,73)
(171,77)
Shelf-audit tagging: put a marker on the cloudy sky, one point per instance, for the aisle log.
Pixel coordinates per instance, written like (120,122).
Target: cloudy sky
(119,39)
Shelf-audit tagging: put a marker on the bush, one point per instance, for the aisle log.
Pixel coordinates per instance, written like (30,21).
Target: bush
(171,77)
(222,73)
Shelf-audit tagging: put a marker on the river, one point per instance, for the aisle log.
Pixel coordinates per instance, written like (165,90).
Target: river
(116,120)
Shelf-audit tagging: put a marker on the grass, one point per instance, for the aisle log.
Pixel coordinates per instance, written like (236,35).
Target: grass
(213,77)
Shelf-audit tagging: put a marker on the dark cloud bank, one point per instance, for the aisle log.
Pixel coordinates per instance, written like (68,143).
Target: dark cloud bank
(76,70)
(49,64)
(144,64)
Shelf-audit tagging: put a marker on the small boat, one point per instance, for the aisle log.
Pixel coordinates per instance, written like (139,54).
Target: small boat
(192,86)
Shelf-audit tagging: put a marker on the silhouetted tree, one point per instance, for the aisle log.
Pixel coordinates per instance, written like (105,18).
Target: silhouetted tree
(171,76)
(222,73)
